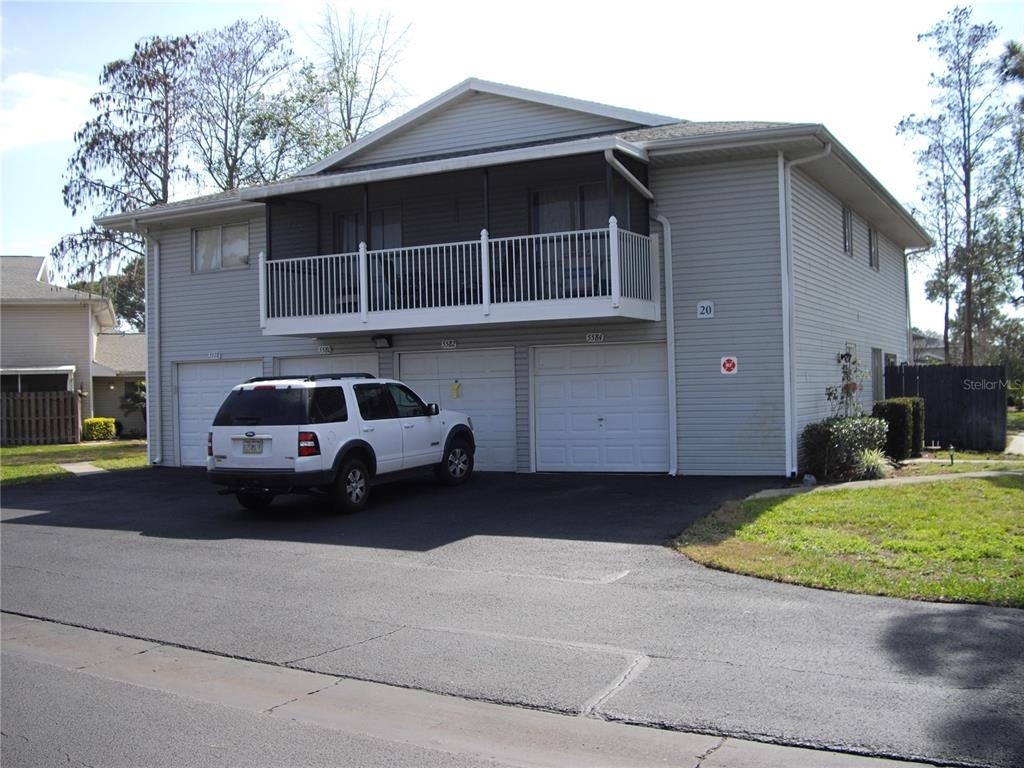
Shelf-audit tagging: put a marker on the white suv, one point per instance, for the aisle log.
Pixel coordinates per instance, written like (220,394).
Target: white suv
(332,433)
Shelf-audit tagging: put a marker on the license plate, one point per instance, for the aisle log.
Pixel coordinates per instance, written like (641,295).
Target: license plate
(252,447)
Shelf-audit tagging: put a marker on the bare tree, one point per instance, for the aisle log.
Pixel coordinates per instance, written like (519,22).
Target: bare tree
(359,55)
(239,72)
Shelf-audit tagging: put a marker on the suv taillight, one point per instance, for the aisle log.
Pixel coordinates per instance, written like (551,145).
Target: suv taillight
(308,444)
(209,443)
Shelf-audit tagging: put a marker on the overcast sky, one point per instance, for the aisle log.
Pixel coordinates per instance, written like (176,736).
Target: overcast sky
(856,68)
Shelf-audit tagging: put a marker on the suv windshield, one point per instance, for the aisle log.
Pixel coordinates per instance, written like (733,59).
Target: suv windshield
(265,407)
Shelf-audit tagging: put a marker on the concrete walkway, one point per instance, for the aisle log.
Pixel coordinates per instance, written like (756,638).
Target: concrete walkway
(81,468)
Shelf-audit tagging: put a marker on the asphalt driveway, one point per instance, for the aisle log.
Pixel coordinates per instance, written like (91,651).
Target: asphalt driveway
(548,591)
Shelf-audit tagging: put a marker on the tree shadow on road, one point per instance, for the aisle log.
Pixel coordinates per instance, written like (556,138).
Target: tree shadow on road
(978,652)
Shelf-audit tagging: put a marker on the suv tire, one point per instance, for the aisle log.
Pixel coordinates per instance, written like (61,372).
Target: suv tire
(457,465)
(352,488)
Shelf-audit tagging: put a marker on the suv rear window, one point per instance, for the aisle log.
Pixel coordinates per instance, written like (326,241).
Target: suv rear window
(267,407)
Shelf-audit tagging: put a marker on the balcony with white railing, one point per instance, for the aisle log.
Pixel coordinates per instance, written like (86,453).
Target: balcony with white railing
(588,274)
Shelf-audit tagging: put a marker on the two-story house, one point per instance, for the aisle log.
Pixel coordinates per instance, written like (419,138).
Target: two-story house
(54,338)
(601,289)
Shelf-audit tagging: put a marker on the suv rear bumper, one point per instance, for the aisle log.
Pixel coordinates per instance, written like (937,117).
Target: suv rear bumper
(241,480)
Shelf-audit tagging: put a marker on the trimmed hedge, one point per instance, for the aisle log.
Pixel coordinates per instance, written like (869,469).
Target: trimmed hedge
(905,417)
(832,448)
(99,428)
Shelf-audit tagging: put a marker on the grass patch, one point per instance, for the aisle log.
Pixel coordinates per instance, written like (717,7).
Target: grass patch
(957,541)
(1014,421)
(30,463)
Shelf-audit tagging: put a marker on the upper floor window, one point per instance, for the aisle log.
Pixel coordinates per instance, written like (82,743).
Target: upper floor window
(384,231)
(847,230)
(575,207)
(222,247)
(873,249)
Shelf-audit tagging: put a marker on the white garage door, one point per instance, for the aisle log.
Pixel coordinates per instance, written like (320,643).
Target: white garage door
(202,387)
(480,383)
(601,408)
(307,366)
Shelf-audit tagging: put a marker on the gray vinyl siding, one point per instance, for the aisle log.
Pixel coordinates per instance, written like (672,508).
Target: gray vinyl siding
(50,335)
(216,315)
(839,299)
(483,121)
(726,249)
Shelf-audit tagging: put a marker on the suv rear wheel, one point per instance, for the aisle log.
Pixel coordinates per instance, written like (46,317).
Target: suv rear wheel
(352,488)
(457,465)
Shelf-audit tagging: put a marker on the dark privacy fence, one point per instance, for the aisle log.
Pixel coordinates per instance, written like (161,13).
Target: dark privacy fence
(964,405)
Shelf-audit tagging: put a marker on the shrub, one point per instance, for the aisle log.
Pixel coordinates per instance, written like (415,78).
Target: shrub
(99,428)
(917,443)
(832,447)
(898,413)
(871,464)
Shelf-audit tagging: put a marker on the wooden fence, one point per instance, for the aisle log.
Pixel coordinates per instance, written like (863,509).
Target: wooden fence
(40,418)
(964,406)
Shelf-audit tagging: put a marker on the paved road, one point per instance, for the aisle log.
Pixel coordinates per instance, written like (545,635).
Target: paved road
(546,591)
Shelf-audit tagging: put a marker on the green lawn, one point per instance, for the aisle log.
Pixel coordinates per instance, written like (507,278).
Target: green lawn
(28,463)
(952,540)
(1014,421)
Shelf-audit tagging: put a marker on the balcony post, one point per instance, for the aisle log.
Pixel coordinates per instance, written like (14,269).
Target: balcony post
(613,257)
(364,282)
(261,262)
(485,270)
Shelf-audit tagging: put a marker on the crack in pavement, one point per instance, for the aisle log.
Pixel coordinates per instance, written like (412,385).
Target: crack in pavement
(344,647)
(636,666)
(709,752)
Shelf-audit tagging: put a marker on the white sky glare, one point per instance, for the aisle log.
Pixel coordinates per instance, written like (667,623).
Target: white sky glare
(857,70)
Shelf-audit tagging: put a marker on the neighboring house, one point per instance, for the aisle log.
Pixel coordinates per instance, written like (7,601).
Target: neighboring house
(929,348)
(468,248)
(54,338)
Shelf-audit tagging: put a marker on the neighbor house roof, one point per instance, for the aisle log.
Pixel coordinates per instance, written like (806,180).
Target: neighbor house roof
(24,280)
(123,354)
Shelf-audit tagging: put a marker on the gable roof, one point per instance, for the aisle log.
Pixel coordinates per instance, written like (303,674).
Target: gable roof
(122,354)
(24,280)
(440,115)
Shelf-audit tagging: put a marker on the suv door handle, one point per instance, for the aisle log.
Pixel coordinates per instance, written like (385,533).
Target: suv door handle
(408,426)
(367,429)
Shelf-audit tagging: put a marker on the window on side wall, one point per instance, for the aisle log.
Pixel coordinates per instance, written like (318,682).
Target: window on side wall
(221,247)
(872,248)
(847,231)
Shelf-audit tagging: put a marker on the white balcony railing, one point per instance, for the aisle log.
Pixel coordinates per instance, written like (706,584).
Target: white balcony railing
(609,265)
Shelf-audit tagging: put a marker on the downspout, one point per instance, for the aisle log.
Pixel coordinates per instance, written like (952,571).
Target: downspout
(609,156)
(153,332)
(788,297)
(670,342)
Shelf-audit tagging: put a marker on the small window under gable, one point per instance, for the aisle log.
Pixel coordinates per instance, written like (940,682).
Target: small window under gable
(847,230)
(872,248)
(221,247)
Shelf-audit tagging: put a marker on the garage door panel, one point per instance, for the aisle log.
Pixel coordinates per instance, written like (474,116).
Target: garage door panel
(202,387)
(601,408)
(485,391)
(308,366)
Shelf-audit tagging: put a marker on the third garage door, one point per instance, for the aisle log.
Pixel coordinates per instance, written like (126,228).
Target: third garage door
(478,382)
(601,408)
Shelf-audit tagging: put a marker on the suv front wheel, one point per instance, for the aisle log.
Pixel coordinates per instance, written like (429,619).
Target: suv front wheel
(457,465)
(352,488)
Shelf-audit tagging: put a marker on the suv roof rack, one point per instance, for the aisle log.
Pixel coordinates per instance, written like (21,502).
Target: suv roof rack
(313,377)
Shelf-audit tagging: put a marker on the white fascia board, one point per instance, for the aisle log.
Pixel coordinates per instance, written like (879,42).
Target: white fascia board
(38,369)
(774,136)
(464,162)
(136,221)
(483,86)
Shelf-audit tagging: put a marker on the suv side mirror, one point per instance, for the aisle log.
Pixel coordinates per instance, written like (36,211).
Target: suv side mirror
(433,410)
